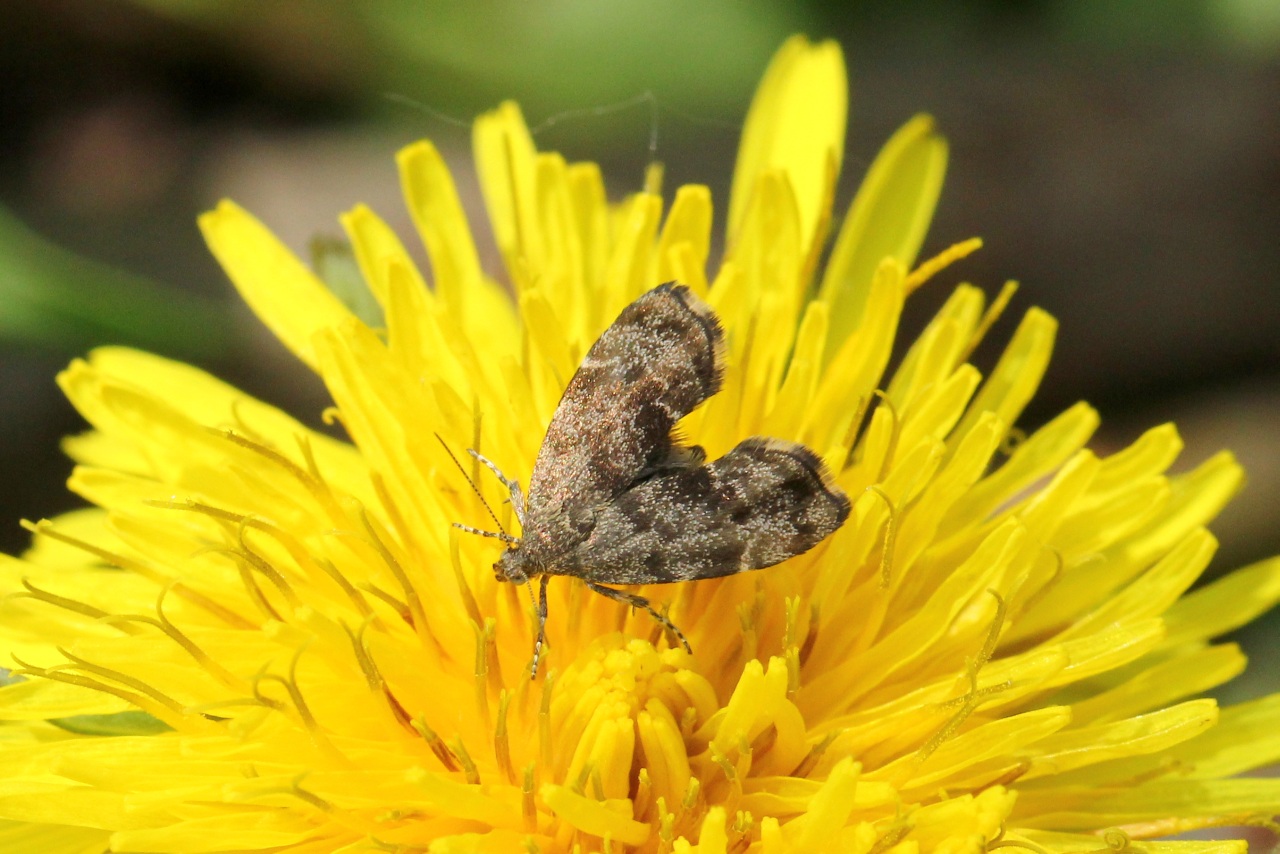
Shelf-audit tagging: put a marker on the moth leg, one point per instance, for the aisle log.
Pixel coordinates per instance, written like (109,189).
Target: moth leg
(517,494)
(640,602)
(542,626)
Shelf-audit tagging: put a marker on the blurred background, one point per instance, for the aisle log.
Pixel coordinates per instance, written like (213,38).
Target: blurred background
(1120,158)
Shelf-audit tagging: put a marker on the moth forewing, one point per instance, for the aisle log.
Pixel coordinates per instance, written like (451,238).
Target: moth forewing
(614,499)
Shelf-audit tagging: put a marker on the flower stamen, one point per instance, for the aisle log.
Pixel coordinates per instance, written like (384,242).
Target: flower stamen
(811,635)
(480,679)
(310,481)
(989,318)
(643,792)
(890,538)
(815,753)
(544,719)
(244,568)
(353,595)
(161,622)
(66,604)
(528,804)
(412,600)
(401,609)
(895,429)
(45,528)
(373,676)
(790,651)
(295,789)
(501,741)
(264,567)
(851,439)
(897,831)
(160,707)
(926,270)
(389,506)
(469,603)
(973,698)
(302,711)
(579,784)
(1013,439)
(469,770)
(999,841)
(124,679)
(442,751)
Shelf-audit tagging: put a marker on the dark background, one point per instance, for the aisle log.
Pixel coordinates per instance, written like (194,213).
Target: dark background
(1120,159)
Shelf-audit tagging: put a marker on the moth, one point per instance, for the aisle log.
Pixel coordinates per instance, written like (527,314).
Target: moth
(615,497)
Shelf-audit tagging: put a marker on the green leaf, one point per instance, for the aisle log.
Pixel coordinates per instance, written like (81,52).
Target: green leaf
(334,261)
(120,723)
(56,298)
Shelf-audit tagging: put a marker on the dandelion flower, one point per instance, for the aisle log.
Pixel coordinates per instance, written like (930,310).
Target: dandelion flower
(260,638)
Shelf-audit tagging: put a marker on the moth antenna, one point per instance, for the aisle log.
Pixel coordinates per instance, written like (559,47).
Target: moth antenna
(517,495)
(541,608)
(504,536)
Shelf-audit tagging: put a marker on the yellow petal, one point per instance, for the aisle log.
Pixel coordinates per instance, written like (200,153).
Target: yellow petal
(628,267)
(1247,737)
(1225,604)
(1045,450)
(285,295)
(249,830)
(209,402)
(829,809)
(597,818)
(712,838)
(686,239)
(1076,748)
(888,219)
(86,524)
(1019,371)
(1148,596)
(857,367)
(1155,684)
(796,124)
(37,700)
(23,838)
(1195,498)
(1074,843)
(505,161)
(1152,453)
(433,203)
(54,800)
(1157,808)
(377,250)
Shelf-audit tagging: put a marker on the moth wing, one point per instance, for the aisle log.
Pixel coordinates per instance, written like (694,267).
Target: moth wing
(761,503)
(661,358)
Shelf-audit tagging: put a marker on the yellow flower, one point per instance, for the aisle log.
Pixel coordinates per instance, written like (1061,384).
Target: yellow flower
(264,639)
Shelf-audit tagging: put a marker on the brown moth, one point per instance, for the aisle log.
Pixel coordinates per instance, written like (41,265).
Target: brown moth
(615,499)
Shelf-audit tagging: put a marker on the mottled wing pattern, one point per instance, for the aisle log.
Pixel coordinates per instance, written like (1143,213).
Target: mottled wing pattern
(761,503)
(661,358)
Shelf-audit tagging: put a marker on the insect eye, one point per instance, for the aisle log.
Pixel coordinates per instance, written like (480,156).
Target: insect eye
(510,568)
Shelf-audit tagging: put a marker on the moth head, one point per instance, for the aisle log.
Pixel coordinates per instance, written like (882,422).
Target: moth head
(511,566)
